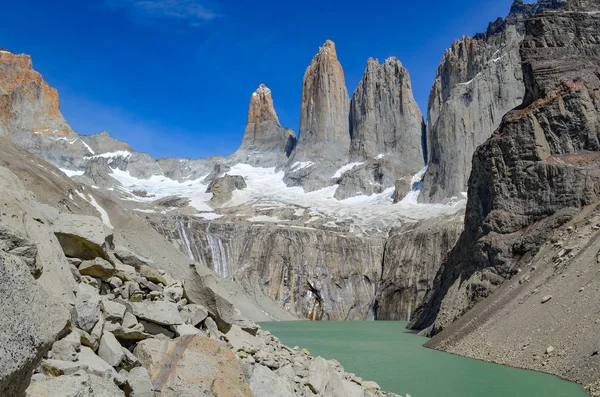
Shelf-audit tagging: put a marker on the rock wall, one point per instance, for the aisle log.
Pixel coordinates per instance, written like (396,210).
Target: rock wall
(411,260)
(385,118)
(478,81)
(266,142)
(537,170)
(316,274)
(27,102)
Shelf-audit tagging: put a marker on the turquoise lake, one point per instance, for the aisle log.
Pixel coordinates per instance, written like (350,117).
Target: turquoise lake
(394,357)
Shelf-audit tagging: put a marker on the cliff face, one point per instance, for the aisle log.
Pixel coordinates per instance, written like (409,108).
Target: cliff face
(313,273)
(411,260)
(536,171)
(385,117)
(478,81)
(324,108)
(266,142)
(27,102)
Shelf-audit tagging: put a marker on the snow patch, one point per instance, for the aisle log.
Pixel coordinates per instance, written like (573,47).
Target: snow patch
(300,165)
(379,156)
(111,155)
(210,216)
(71,173)
(264,218)
(345,169)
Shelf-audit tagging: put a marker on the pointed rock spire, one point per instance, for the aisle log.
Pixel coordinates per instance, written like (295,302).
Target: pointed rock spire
(265,141)
(385,117)
(324,127)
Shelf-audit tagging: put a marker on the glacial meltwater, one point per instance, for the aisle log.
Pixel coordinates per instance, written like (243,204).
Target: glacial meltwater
(387,353)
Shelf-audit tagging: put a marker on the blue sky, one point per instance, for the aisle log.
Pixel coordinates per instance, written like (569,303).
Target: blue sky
(173,77)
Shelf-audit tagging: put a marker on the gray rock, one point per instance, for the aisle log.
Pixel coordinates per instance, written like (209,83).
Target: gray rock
(546,298)
(194,314)
(243,341)
(31,320)
(385,118)
(163,313)
(60,368)
(110,350)
(139,383)
(317,376)
(151,275)
(83,237)
(556,161)
(266,383)
(187,329)
(155,329)
(113,311)
(105,388)
(78,385)
(95,364)
(128,257)
(266,143)
(129,320)
(87,307)
(97,267)
(222,188)
(67,349)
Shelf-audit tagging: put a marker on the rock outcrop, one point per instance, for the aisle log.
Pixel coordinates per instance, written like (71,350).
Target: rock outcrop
(325,107)
(222,188)
(324,137)
(27,102)
(316,274)
(478,81)
(411,260)
(537,170)
(266,143)
(385,118)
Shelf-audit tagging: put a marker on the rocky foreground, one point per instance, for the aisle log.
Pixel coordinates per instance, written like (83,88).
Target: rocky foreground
(83,316)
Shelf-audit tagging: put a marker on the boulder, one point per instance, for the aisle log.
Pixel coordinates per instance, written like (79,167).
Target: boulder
(83,237)
(130,258)
(110,350)
(152,275)
(194,314)
(31,319)
(87,307)
(95,364)
(105,388)
(60,368)
(79,385)
(266,383)
(159,312)
(98,268)
(192,365)
(219,309)
(139,383)
(113,311)
(67,349)
(243,341)
(222,188)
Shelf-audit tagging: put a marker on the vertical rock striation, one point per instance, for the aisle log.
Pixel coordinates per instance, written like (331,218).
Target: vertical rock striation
(538,169)
(384,116)
(478,81)
(324,108)
(265,141)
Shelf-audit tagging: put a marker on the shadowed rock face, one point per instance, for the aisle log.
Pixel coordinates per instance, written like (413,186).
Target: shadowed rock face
(536,171)
(478,81)
(384,116)
(266,142)
(27,102)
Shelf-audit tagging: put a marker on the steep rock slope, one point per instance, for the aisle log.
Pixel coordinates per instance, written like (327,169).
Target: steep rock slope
(386,128)
(316,274)
(266,142)
(411,260)
(478,81)
(27,102)
(538,169)
(384,116)
(324,136)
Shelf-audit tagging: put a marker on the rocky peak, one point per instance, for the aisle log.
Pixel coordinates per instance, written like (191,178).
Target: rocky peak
(265,141)
(324,108)
(261,106)
(27,102)
(385,117)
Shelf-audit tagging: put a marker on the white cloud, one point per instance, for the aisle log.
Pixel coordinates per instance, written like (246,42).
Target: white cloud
(189,11)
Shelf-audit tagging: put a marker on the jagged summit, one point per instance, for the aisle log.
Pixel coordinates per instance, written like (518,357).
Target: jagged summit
(385,117)
(328,48)
(265,141)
